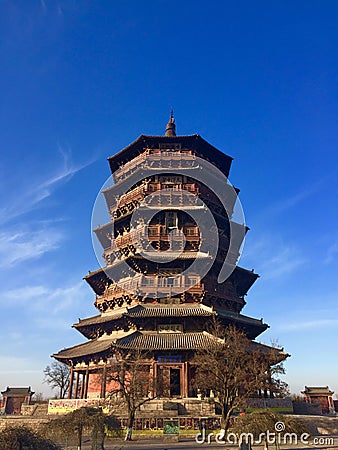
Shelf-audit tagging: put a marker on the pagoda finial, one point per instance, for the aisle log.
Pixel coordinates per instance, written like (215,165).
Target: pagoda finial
(170,129)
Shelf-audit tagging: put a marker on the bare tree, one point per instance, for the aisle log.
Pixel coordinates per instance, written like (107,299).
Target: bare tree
(57,376)
(133,384)
(75,423)
(39,397)
(234,368)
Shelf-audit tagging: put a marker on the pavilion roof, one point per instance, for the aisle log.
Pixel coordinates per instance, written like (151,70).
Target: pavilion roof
(17,391)
(317,390)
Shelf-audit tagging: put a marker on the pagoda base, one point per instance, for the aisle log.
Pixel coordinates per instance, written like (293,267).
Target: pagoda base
(178,407)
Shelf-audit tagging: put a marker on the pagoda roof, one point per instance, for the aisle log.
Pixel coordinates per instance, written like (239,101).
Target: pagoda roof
(149,311)
(243,279)
(168,310)
(194,141)
(98,319)
(253,327)
(150,341)
(105,321)
(87,348)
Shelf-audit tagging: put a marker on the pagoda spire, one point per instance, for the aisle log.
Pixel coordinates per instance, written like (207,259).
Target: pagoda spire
(170,129)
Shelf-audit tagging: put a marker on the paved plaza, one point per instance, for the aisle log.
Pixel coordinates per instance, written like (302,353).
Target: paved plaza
(319,442)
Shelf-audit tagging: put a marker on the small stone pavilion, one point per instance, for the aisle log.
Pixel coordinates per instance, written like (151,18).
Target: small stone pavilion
(320,394)
(14,397)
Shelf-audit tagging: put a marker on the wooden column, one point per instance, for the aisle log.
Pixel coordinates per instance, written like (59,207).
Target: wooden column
(155,386)
(77,385)
(103,382)
(186,381)
(71,381)
(83,385)
(151,379)
(182,380)
(87,383)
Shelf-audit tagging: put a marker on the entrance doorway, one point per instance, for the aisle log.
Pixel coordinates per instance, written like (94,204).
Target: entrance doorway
(170,381)
(175,382)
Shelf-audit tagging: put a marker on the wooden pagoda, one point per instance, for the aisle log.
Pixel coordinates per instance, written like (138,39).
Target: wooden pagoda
(148,311)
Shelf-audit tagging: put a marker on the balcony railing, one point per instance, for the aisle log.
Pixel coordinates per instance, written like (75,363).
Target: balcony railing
(141,238)
(156,159)
(152,287)
(128,202)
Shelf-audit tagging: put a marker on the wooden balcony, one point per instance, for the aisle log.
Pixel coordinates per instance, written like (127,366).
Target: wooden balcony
(124,206)
(157,236)
(173,199)
(161,232)
(152,288)
(156,159)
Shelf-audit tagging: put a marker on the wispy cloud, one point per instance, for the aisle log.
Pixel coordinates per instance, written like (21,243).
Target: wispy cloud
(272,257)
(282,205)
(42,298)
(284,261)
(16,365)
(290,202)
(43,5)
(332,253)
(29,195)
(19,246)
(309,324)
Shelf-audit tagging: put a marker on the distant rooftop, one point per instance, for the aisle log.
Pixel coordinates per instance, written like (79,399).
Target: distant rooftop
(17,391)
(317,390)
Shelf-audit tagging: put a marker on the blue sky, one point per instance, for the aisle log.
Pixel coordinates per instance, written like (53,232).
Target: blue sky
(82,79)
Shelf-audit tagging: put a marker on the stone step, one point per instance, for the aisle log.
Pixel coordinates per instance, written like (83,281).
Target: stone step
(41,410)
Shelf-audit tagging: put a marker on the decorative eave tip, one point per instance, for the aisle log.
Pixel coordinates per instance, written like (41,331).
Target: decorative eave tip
(170,129)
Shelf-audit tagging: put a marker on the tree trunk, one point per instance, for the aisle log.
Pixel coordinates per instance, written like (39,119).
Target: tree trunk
(98,438)
(225,419)
(129,432)
(79,437)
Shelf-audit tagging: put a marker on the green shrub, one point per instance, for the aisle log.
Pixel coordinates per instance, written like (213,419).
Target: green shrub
(22,438)
(260,421)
